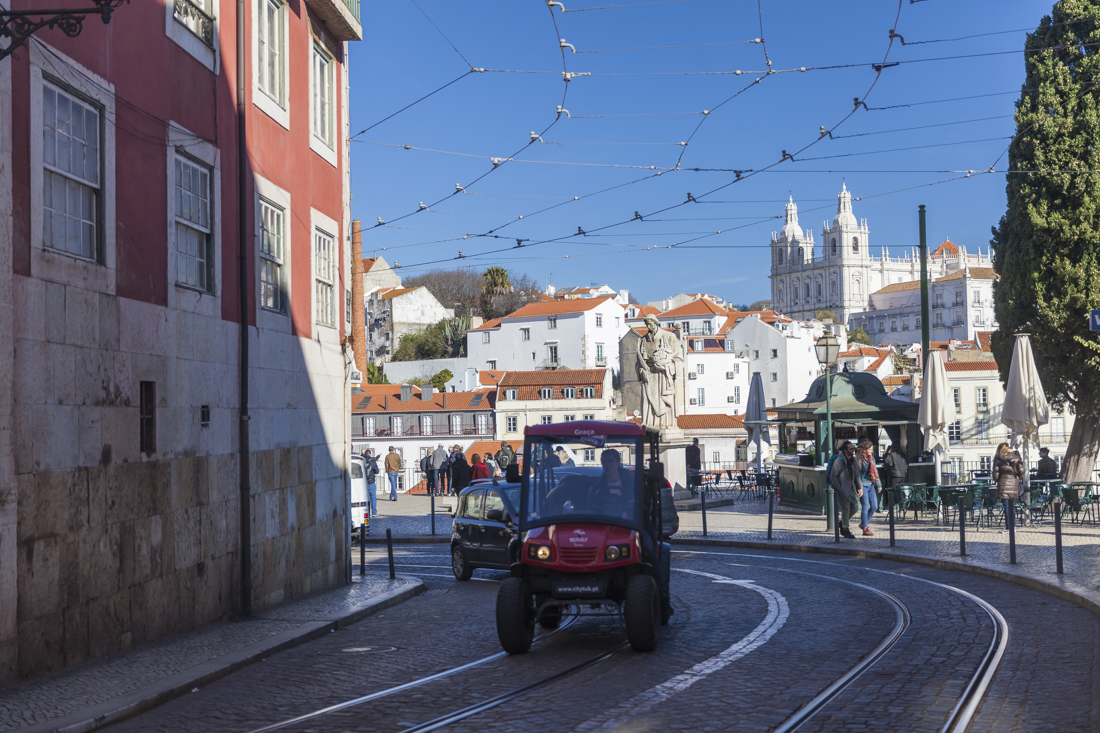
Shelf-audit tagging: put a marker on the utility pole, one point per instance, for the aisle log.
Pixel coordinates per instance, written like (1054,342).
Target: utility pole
(925,326)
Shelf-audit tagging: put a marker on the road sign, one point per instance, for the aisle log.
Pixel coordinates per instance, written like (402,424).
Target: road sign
(1094,320)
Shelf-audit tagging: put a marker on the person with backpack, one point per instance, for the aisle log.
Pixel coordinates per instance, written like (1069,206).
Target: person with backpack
(439,467)
(843,478)
(429,474)
(372,486)
(895,467)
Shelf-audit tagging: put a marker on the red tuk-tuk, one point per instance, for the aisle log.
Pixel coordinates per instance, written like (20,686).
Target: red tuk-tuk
(591,531)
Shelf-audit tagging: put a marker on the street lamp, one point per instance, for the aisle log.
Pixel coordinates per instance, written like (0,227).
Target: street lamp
(828,350)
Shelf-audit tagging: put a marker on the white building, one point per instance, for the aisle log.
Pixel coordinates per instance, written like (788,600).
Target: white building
(622,297)
(552,396)
(960,305)
(394,312)
(682,299)
(582,333)
(842,275)
(782,351)
(859,358)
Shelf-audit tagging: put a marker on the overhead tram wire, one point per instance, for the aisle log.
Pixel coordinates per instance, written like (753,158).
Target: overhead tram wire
(914,147)
(440,31)
(992,33)
(921,127)
(663,48)
(497,162)
(878,74)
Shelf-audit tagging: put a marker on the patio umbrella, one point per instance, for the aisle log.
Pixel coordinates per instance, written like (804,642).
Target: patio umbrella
(1026,405)
(937,409)
(756,416)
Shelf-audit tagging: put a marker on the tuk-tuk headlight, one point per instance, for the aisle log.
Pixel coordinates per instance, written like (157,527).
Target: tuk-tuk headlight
(538,552)
(617,552)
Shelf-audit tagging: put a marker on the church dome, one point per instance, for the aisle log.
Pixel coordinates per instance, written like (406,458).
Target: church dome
(791,231)
(844,216)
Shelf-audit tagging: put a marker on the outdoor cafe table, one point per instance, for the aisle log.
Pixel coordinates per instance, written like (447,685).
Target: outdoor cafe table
(950,493)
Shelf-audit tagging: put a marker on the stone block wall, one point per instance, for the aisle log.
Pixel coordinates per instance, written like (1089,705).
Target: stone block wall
(112,547)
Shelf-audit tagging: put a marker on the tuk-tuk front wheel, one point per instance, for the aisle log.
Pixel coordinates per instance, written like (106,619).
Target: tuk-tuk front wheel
(515,616)
(643,613)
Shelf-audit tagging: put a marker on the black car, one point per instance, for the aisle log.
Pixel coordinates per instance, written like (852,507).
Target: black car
(484,534)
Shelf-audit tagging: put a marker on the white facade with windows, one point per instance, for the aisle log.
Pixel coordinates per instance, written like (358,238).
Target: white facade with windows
(841,273)
(783,353)
(583,333)
(543,398)
(718,382)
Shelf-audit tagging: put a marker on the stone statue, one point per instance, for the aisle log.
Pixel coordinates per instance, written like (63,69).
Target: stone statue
(660,365)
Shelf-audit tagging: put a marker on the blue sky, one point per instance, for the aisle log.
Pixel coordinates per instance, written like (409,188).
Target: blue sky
(403,57)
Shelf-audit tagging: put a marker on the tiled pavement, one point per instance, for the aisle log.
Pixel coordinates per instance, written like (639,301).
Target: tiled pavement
(153,671)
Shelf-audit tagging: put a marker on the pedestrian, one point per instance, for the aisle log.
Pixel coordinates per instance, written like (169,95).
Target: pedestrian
(693,456)
(491,465)
(845,482)
(478,469)
(456,455)
(1008,469)
(439,463)
(1048,467)
(563,456)
(429,473)
(869,483)
(894,468)
(460,473)
(505,456)
(393,467)
(372,487)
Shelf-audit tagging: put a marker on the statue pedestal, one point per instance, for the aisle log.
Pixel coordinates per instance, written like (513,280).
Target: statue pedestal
(674,457)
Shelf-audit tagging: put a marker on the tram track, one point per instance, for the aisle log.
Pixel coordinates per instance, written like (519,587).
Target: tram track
(962,713)
(958,721)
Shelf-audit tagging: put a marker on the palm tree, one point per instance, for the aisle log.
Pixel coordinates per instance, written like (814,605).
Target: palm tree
(496,283)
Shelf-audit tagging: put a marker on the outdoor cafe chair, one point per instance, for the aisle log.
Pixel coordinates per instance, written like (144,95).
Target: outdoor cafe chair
(1078,497)
(909,497)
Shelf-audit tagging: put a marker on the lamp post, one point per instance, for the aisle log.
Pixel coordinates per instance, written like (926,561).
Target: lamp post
(828,350)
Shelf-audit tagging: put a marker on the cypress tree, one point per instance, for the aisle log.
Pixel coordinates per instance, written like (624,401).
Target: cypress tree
(1047,245)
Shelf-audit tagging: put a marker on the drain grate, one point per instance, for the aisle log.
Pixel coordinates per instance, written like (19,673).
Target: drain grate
(435,592)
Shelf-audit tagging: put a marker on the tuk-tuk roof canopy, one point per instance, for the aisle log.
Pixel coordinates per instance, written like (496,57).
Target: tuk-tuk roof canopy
(582,428)
(856,396)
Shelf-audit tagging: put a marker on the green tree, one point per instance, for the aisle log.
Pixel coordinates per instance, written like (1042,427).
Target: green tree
(903,364)
(761,305)
(496,284)
(375,375)
(439,381)
(426,344)
(821,315)
(859,336)
(1047,245)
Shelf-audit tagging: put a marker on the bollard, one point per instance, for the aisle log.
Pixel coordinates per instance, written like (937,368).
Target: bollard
(830,517)
(1010,513)
(771,501)
(890,512)
(1058,533)
(962,527)
(703,501)
(363,549)
(389,551)
(433,513)
(833,519)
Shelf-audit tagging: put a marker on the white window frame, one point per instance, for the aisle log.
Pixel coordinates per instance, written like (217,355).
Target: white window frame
(525,334)
(551,322)
(186,165)
(552,354)
(482,422)
(699,368)
(601,359)
(954,432)
(599,321)
(511,393)
(701,395)
(185,38)
(737,395)
(268,191)
(981,429)
(568,418)
(397,425)
(369,426)
(775,376)
(492,364)
(183,297)
(981,397)
(511,424)
(325,144)
(546,419)
(546,393)
(276,109)
(569,393)
(49,65)
(588,393)
(456,424)
(485,337)
(589,455)
(590,417)
(325,226)
(956,396)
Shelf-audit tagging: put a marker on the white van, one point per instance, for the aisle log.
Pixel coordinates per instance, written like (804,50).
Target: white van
(360,502)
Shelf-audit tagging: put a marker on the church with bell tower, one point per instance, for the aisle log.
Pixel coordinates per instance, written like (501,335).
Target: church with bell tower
(840,274)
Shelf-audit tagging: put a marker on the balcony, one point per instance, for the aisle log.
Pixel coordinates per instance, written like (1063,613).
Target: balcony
(414,431)
(601,361)
(341,17)
(194,19)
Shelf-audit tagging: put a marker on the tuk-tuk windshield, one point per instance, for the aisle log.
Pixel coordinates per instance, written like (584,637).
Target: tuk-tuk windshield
(592,478)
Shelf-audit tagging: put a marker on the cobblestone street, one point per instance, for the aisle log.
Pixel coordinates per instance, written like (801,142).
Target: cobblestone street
(825,615)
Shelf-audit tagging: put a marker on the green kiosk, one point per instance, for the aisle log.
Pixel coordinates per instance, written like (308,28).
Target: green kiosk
(860,409)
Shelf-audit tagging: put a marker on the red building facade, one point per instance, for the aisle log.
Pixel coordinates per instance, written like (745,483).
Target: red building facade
(132,450)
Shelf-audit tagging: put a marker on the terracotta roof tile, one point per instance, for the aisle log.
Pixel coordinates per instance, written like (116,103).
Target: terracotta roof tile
(643,311)
(704,422)
(765,316)
(393,292)
(984,365)
(947,249)
(898,287)
(877,363)
(368,262)
(389,400)
(700,307)
(864,351)
(490,377)
(976,273)
(558,307)
(528,384)
(983,338)
(494,323)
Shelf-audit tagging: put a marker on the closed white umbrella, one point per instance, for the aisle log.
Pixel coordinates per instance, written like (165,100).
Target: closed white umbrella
(1026,407)
(756,416)
(937,409)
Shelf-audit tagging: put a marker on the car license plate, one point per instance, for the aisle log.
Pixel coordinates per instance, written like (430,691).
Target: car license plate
(580,588)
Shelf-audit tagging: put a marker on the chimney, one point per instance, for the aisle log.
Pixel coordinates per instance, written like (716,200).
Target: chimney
(406,392)
(444,400)
(427,392)
(358,317)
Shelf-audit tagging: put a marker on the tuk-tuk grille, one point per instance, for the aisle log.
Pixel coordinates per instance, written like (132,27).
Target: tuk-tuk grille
(578,555)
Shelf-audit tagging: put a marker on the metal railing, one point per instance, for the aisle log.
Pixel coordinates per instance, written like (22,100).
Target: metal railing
(414,431)
(353,6)
(195,19)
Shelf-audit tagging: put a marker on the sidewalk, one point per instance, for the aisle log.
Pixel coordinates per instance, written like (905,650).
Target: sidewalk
(105,691)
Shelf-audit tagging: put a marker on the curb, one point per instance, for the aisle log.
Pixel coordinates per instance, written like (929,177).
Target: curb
(1067,591)
(153,695)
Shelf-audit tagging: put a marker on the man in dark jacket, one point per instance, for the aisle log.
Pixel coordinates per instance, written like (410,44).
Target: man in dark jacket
(505,456)
(460,472)
(896,467)
(1048,467)
(694,459)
